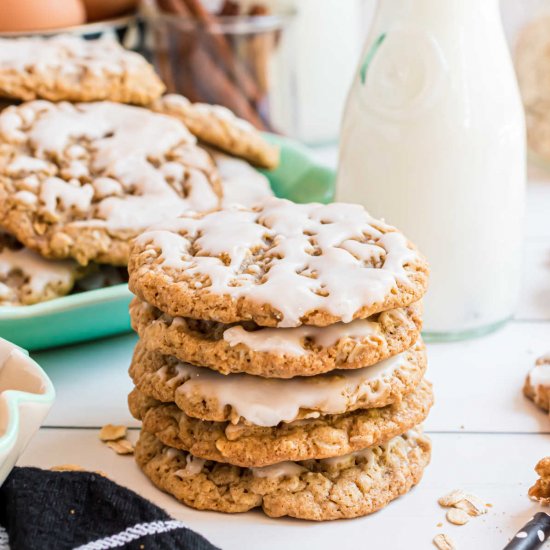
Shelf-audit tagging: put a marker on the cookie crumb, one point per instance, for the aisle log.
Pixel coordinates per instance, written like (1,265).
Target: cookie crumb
(121,447)
(72,512)
(457,516)
(439,524)
(540,491)
(110,432)
(444,542)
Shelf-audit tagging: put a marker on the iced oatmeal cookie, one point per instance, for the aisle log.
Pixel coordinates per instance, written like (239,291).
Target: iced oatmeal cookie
(255,446)
(335,488)
(241,183)
(69,68)
(279,264)
(26,278)
(278,352)
(208,395)
(537,383)
(82,180)
(219,127)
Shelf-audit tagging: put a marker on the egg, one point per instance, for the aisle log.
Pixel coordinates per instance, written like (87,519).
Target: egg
(98,10)
(32,15)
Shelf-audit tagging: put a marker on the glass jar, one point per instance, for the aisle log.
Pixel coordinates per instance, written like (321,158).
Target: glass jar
(243,62)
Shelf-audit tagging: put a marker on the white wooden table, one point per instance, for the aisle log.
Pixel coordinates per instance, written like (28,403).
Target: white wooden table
(486,436)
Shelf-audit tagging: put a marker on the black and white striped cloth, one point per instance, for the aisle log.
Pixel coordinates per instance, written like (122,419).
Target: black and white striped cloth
(44,510)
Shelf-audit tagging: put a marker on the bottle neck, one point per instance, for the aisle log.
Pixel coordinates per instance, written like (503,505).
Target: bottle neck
(437,13)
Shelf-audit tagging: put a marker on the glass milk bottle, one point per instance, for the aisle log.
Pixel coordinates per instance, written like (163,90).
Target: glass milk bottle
(433,140)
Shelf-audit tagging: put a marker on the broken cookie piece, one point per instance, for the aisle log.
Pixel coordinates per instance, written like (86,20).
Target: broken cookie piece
(540,491)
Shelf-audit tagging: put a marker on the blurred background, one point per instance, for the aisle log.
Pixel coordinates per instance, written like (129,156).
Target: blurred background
(284,65)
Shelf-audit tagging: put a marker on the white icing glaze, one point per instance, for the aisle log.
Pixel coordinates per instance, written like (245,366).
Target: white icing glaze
(6,293)
(128,190)
(268,402)
(290,341)
(193,467)
(369,454)
(26,197)
(56,190)
(337,280)
(277,471)
(40,272)
(23,163)
(70,55)
(540,376)
(241,183)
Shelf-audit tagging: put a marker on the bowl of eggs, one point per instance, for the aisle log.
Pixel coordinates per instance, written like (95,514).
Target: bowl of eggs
(83,17)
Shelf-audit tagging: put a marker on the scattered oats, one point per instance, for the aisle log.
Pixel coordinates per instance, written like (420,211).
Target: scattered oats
(457,516)
(121,447)
(472,505)
(444,542)
(488,504)
(439,524)
(463,501)
(72,512)
(67,468)
(112,433)
(452,498)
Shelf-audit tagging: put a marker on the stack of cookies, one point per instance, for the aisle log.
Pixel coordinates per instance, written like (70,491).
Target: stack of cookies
(280,363)
(79,181)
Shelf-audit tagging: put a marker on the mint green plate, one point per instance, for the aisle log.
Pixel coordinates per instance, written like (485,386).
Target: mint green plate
(104,312)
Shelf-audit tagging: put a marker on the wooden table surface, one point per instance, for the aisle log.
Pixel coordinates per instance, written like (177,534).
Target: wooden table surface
(486,436)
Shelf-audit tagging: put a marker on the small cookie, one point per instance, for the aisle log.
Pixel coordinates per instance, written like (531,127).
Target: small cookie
(253,446)
(83,180)
(219,127)
(69,68)
(278,352)
(335,488)
(209,395)
(541,490)
(26,278)
(537,383)
(280,264)
(241,183)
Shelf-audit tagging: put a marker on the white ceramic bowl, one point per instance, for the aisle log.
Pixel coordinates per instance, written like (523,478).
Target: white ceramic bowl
(26,396)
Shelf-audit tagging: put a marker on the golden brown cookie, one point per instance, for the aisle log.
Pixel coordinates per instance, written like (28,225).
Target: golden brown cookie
(537,383)
(83,180)
(336,488)
(70,68)
(253,446)
(26,278)
(280,264)
(541,490)
(278,352)
(219,127)
(208,395)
